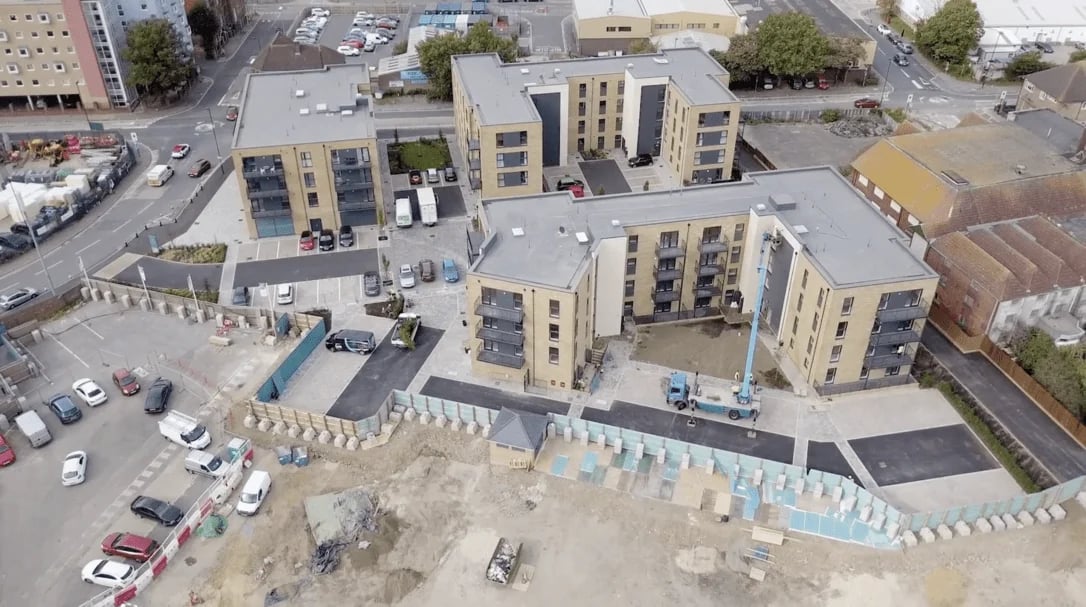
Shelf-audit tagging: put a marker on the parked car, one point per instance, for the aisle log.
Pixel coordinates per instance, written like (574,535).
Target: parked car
(566,183)
(306,242)
(415,177)
(901,59)
(125,382)
(426,269)
(199,167)
(16,298)
(74,470)
(905,47)
(353,43)
(866,102)
(7,454)
(17,242)
(387,34)
(369,47)
(386,23)
(884,29)
(111,574)
(641,160)
(893,38)
(350,340)
(180,150)
(284,294)
(448,269)
(320,12)
(158,396)
(450,175)
(327,240)
(1044,47)
(240,297)
(346,236)
(89,391)
(576,190)
(65,409)
(371,283)
(432,176)
(407,276)
(130,546)
(163,513)
(232,113)
(797,83)
(348,50)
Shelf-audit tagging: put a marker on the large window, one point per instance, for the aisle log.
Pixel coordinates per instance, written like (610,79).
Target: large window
(307,159)
(552,355)
(555,308)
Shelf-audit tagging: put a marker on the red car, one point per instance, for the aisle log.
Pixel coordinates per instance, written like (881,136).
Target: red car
(129,546)
(866,103)
(353,43)
(307,242)
(232,114)
(7,455)
(576,190)
(126,382)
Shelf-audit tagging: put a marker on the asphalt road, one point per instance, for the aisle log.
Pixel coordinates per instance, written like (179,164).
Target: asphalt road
(920,455)
(388,368)
(826,457)
(604,174)
(305,267)
(1048,443)
(717,435)
(172,275)
(491,398)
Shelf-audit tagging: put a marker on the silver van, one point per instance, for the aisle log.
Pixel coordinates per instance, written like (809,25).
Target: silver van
(202,462)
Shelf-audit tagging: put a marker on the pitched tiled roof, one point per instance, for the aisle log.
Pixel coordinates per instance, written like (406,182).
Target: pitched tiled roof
(284,55)
(1065,83)
(519,429)
(956,253)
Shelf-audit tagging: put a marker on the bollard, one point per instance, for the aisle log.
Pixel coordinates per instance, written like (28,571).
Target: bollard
(567,434)
(1025,518)
(962,529)
(800,485)
(684,463)
(618,446)
(324,437)
(710,465)
(249,422)
(294,430)
(264,425)
(309,434)
(1057,512)
(200,316)
(456,425)
(352,443)
(108,296)
(424,419)
(340,440)
(409,415)
(1042,516)
(878,521)
(639,450)
(847,504)
(552,430)
(279,428)
(661,456)
(126,300)
(473,428)
(584,438)
(944,532)
(182,312)
(983,525)
(85,293)
(601,441)
(486,431)
(998,524)
(892,529)
(865,513)
(440,421)
(95,294)
(909,539)
(163,308)
(927,535)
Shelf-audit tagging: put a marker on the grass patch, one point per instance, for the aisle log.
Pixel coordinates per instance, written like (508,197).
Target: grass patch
(208,296)
(418,155)
(990,440)
(197,253)
(902,28)
(896,113)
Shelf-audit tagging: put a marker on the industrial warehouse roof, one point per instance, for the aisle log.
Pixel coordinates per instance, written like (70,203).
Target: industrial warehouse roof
(538,239)
(499,91)
(596,9)
(314,106)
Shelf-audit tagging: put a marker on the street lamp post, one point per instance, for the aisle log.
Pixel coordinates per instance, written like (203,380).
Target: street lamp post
(82,104)
(31,230)
(218,152)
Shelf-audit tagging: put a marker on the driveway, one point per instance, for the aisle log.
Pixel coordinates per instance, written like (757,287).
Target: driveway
(388,368)
(171,275)
(920,455)
(491,398)
(307,267)
(604,174)
(1054,449)
(717,435)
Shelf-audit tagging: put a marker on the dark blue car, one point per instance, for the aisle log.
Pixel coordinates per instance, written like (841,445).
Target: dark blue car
(65,409)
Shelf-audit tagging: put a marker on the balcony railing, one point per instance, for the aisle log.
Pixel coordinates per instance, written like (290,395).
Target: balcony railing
(665,296)
(668,273)
(670,251)
(473,144)
(492,311)
(475,182)
(883,361)
(474,164)
(353,186)
(264,171)
(344,167)
(711,290)
(505,337)
(894,338)
(271,213)
(356,206)
(262,194)
(710,269)
(899,314)
(713,246)
(501,358)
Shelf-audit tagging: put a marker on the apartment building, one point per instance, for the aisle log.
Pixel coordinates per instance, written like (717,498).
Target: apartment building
(512,120)
(49,61)
(305,151)
(611,26)
(844,294)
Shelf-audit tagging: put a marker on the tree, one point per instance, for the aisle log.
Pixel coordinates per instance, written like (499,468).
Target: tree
(790,44)
(642,46)
(844,53)
(949,35)
(155,65)
(1077,56)
(205,23)
(1025,64)
(888,9)
(435,55)
(741,59)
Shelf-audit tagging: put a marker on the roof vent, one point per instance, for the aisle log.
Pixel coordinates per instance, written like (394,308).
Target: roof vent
(346,113)
(759,207)
(800,229)
(562,230)
(322,107)
(956,178)
(304,111)
(299,93)
(518,231)
(615,223)
(629,66)
(660,60)
(557,71)
(1020,169)
(582,237)
(525,70)
(783,202)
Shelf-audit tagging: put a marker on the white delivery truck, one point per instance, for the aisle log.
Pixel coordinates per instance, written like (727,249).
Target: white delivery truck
(184,430)
(428,206)
(159,175)
(403,213)
(33,427)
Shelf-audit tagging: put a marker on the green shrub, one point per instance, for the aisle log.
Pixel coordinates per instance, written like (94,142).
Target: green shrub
(829,116)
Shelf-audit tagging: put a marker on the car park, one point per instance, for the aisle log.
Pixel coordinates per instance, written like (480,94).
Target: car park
(883,29)
(111,574)
(74,470)
(327,240)
(7,454)
(240,296)
(319,12)
(901,59)
(180,150)
(346,236)
(641,160)
(415,177)
(866,103)
(158,396)
(348,51)
(350,340)
(16,298)
(371,283)
(905,47)
(450,175)
(129,546)
(284,294)
(407,276)
(306,242)
(566,183)
(90,392)
(369,47)
(426,270)
(432,176)
(65,409)
(163,513)
(448,269)
(200,167)
(125,382)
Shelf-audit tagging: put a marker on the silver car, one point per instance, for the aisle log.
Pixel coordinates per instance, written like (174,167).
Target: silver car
(407,276)
(16,298)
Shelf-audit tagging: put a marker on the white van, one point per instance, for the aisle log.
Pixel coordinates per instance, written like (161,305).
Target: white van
(254,493)
(159,175)
(32,426)
(184,430)
(204,463)
(403,213)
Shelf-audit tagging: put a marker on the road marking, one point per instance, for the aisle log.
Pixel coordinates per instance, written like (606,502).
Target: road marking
(917,84)
(68,350)
(149,473)
(80,251)
(121,227)
(87,327)
(146,206)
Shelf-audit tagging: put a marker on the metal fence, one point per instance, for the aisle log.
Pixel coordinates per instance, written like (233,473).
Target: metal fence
(277,383)
(802,115)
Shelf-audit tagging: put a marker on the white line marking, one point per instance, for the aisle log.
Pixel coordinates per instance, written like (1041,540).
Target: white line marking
(80,251)
(917,84)
(87,327)
(155,465)
(68,350)
(147,473)
(121,227)
(147,206)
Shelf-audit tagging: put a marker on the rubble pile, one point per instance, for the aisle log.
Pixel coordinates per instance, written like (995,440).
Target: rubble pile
(326,557)
(852,128)
(502,564)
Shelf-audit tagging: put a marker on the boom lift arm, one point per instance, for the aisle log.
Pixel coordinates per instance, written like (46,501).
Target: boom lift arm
(745,395)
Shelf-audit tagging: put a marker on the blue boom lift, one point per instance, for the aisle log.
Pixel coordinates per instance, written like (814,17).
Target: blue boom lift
(743,401)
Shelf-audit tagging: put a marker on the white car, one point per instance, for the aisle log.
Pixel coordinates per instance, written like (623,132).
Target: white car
(284,295)
(407,276)
(90,392)
(74,470)
(320,12)
(111,574)
(884,29)
(348,51)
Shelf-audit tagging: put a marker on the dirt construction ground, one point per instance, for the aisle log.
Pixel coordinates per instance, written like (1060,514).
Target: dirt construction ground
(712,347)
(445,508)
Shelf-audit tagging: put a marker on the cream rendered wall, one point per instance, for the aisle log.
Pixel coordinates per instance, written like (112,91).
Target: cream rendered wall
(488,161)
(595,29)
(748,276)
(726,25)
(610,264)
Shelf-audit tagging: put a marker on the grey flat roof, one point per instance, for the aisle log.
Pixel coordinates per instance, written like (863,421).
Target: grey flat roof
(847,238)
(271,112)
(1063,134)
(499,91)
